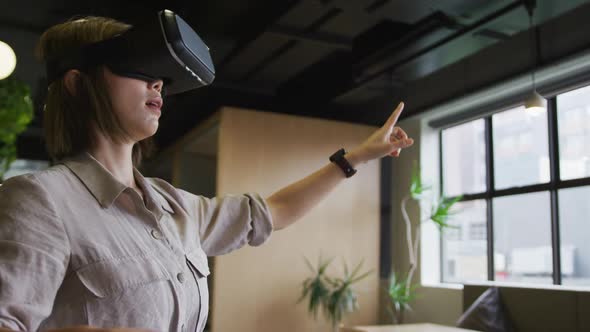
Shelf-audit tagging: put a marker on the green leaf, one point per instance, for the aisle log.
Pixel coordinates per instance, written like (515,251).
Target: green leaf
(345,269)
(334,295)
(356,270)
(417,189)
(16,112)
(315,288)
(361,277)
(441,211)
(398,292)
(400,295)
(324,265)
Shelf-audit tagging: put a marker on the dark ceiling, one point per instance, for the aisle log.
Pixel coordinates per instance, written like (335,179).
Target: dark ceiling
(322,58)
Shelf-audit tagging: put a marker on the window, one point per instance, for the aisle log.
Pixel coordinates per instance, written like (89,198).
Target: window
(477,231)
(465,255)
(574,218)
(465,159)
(525,182)
(573,117)
(522,238)
(521,149)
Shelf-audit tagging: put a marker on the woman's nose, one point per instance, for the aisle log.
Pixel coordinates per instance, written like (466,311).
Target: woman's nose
(156,85)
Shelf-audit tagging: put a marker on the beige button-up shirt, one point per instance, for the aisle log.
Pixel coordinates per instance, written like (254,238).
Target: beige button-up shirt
(77,247)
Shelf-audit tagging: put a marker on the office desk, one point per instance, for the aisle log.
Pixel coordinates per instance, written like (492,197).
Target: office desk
(408,328)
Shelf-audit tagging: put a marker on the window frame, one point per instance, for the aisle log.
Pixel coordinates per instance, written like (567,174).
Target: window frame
(553,186)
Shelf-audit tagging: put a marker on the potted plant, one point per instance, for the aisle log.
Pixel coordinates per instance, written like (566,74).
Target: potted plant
(402,290)
(16,112)
(334,295)
(401,293)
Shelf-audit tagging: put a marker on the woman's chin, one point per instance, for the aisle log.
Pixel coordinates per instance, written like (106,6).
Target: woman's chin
(153,127)
(146,133)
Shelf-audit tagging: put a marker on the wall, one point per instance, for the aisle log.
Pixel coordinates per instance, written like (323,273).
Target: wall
(196,173)
(256,289)
(442,305)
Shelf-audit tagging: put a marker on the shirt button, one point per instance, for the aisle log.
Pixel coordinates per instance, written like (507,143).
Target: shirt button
(156,234)
(180,277)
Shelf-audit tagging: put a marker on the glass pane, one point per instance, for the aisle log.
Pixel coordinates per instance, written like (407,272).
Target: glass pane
(522,238)
(521,148)
(464,159)
(574,220)
(573,119)
(465,247)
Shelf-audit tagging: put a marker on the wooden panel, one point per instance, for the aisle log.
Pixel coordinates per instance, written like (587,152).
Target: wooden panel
(435,304)
(540,309)
(583,310)
(256,289)
(534,310)
(471,293)
(410,328)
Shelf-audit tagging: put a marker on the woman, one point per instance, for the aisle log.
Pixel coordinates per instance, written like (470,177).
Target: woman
(91,243)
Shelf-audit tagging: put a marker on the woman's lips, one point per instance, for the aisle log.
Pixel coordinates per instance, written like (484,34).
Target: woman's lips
(155,109)
(155,103)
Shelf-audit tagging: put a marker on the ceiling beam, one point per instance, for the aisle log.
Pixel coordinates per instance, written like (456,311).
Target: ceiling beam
(327,39)
(468,29)
(289,45)
(258,27)
(493,34)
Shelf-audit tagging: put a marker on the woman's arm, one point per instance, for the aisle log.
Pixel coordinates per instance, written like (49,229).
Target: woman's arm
(292,202)
(34,252)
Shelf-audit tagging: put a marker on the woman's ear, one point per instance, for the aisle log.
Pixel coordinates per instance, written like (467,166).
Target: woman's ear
(71,78)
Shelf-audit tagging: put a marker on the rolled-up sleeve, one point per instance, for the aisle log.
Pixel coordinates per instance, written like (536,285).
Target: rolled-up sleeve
(232,221)
(34,253)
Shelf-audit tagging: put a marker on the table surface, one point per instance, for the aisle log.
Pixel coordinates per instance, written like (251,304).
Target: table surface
(411,328)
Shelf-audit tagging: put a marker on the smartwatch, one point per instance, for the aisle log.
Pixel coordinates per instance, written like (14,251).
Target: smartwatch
(338,159)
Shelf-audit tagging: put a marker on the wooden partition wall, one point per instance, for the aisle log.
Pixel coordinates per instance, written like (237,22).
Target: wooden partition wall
(256,289)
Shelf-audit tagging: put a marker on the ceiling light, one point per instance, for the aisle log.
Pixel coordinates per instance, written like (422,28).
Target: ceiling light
(7,60)
(534,102)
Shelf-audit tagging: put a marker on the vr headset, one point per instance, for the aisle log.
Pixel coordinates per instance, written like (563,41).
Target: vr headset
(164,47)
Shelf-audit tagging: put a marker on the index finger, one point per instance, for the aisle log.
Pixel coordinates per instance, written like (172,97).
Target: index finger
(395,115)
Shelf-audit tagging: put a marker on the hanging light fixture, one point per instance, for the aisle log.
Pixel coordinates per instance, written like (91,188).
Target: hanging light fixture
(534,102)
(7,60)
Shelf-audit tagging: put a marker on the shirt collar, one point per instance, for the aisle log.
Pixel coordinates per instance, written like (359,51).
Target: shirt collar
(97,179)
(105,188)
(155,200)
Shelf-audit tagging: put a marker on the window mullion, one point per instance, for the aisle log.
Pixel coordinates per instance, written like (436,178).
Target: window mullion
(440,177)
(489,189)
(554,171)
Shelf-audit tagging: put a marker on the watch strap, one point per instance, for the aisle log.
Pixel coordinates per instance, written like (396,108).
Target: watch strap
(339,159)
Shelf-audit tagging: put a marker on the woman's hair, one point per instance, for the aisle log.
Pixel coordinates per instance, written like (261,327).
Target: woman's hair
(70,120)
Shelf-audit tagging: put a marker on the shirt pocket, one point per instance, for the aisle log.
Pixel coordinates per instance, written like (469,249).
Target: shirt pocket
(110,277)
(198,261)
